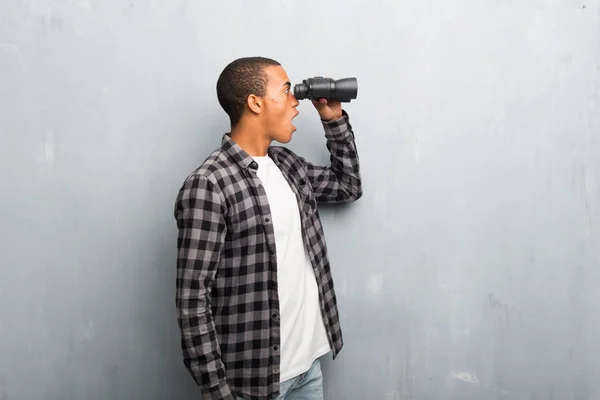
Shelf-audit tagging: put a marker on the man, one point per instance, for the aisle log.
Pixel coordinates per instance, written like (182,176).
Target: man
(255,298)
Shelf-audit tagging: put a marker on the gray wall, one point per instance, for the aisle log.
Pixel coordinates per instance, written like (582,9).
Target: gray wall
(469,270)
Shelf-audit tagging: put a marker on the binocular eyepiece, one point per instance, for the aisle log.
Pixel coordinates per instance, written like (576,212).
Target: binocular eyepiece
(343,90)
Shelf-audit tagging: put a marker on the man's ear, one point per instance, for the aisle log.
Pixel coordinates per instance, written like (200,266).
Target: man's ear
(255,103)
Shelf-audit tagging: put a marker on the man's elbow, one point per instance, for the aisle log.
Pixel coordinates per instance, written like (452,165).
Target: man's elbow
(357,194)
(354,191)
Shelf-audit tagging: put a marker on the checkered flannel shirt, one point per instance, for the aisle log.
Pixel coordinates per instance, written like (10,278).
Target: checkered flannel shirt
(227,302)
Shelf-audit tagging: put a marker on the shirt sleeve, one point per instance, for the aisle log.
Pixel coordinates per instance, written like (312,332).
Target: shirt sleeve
(201,225)
(341,180)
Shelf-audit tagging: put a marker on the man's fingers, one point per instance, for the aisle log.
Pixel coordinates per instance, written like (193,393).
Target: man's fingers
(319,102)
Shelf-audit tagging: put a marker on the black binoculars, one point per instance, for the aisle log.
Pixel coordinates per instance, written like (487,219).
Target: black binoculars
(343,90)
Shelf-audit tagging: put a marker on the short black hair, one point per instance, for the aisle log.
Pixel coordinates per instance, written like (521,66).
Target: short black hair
(240,79)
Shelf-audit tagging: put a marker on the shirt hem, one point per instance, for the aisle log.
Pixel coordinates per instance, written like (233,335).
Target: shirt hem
(305,368)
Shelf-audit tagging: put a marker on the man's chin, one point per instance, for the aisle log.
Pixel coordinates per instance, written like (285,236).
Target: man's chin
(287,138)
(284,136)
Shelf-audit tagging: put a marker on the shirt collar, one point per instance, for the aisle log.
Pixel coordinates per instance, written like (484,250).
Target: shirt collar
(236,153)
(239,155)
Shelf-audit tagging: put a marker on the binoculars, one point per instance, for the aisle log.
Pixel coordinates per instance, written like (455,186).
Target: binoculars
(343,90)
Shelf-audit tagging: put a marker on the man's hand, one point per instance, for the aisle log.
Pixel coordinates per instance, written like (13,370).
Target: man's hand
(329,110)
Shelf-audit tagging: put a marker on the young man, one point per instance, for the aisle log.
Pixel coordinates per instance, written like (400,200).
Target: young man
(255,298)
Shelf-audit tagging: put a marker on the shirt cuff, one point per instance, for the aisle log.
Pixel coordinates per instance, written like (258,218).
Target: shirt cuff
(338,129)
(221,391)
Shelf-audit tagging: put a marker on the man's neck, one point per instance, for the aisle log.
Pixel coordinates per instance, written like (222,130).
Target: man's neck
(250,138)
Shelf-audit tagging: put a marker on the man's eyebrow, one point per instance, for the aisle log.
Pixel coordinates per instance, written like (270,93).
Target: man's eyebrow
(287,84)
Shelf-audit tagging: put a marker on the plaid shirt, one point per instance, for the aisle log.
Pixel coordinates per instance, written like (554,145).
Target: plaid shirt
(227,302)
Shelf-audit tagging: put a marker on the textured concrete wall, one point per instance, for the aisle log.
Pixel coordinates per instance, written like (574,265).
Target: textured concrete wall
(469,269)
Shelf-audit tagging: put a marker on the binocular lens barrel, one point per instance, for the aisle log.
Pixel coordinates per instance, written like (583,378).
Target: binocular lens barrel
(344,89)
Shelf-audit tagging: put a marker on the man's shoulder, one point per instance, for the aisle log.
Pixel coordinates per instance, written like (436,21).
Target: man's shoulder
(213,169)
(289,161)
(286,155)
(205,181)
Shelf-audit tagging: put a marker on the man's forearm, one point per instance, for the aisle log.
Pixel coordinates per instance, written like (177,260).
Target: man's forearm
(341,181)
(202,357)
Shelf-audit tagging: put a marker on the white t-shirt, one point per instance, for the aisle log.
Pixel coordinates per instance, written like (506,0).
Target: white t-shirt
(303,337)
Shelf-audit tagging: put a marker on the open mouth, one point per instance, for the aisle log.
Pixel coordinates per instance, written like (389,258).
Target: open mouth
(294,116)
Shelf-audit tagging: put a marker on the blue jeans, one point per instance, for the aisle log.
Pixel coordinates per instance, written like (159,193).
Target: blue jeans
(306,386)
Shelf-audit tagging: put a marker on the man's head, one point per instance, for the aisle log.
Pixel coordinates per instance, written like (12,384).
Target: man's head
(258,89)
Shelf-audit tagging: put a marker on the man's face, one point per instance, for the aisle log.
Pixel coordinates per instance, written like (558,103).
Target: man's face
(280,106)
